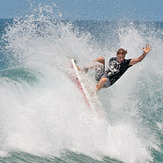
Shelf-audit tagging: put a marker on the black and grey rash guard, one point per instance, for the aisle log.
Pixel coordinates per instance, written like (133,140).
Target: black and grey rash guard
(116,70)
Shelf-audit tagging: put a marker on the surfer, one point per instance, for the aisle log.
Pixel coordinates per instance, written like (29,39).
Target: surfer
(116,68)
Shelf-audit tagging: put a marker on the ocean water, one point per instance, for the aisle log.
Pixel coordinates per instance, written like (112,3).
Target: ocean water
(43,116)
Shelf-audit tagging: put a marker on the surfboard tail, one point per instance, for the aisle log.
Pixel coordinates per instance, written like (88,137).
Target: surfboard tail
(90,98)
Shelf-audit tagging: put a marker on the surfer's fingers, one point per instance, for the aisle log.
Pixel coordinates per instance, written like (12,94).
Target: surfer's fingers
(149,47)
(143,48)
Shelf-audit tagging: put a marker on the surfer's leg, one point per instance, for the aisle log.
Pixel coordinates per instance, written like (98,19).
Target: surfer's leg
(101,83)
(99,67)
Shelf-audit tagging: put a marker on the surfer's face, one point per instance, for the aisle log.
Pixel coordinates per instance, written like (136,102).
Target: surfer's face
(120,57)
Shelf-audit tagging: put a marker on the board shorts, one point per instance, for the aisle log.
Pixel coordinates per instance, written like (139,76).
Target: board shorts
(100,73)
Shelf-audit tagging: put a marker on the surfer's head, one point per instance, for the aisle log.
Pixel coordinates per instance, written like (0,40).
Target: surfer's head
(121,53)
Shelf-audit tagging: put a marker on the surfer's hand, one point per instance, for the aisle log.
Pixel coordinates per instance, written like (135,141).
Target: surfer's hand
(147,49)
(79,69)
(86,70)
(83,69)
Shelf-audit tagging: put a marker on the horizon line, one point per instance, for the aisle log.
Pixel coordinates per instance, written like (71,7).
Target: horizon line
(96,20)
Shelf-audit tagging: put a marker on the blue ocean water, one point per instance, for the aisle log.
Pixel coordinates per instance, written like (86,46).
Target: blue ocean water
(42,113)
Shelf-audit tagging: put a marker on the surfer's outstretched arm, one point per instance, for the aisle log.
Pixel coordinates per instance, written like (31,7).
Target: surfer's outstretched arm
(85,69)
(99,60)
(139,59)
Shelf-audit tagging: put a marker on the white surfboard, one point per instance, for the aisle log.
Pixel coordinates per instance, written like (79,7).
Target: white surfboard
(91,100)
(81,86)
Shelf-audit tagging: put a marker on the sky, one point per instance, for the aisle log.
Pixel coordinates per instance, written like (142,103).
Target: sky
(140,10)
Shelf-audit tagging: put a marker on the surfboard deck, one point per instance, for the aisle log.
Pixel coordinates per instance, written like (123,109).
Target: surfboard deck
(90,98)
(81,85)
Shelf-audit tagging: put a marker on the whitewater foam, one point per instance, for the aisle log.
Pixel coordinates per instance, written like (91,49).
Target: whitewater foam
(50,116)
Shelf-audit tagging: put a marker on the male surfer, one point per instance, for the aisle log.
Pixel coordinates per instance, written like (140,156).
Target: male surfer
(116,68)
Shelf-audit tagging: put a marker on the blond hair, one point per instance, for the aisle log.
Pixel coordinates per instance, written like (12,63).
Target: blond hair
(122,51)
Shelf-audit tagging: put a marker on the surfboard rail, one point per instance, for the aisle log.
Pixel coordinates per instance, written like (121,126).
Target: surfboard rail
(81,85)
(91,99)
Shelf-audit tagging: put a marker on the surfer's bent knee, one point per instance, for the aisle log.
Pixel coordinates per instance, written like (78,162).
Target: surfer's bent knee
(106,81)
